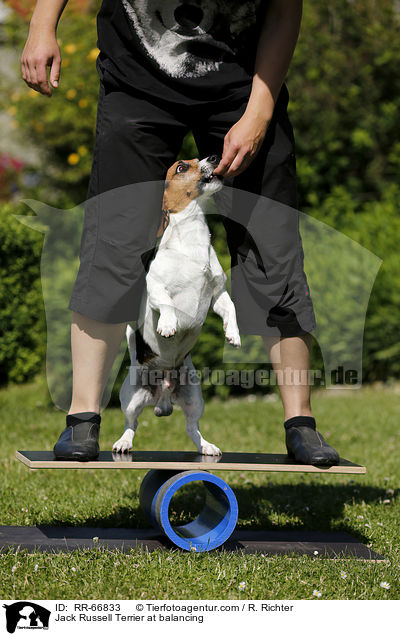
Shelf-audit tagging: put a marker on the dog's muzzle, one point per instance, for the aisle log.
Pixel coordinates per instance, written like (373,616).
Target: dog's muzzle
(208,169)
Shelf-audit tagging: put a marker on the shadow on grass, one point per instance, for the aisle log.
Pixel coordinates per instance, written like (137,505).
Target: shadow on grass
(303,506)
(271,507)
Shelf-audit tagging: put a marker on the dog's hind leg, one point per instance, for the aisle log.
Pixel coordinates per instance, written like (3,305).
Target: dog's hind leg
(190,399)
(125,442)
(133,400)
(131,339)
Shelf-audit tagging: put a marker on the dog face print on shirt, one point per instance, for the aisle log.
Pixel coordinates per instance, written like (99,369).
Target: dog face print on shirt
(189,38)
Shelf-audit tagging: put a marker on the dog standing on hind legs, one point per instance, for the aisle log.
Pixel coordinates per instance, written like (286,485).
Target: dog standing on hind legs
(184,279)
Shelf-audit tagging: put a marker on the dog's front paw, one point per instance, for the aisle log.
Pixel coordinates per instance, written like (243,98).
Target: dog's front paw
(167,325)
(124,444)
(210,449)
(232,336)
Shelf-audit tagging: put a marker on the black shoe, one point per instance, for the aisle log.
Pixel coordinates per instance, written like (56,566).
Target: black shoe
(80,438)
(306,445)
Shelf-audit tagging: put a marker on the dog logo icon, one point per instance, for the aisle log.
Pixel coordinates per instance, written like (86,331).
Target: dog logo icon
(26,615)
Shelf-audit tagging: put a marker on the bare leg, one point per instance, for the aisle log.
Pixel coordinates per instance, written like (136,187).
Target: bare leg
(291,361)
(94,346)
(290,358)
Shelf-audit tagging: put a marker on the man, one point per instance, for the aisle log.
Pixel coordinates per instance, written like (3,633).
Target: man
(166,67)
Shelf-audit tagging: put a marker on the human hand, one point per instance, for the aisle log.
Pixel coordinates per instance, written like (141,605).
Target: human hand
(41,50)
(241,145)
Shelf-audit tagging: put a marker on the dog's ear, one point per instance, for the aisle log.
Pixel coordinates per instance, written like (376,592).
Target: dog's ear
(164,222)
(165,205)
(165,196)
(164,213)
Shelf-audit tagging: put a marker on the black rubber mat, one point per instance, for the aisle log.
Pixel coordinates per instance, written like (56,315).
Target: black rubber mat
(333,545)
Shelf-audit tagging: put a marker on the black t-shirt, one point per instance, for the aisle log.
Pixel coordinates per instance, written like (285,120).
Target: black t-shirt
(181,50)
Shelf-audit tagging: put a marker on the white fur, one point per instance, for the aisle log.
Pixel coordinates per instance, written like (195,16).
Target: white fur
(183,280)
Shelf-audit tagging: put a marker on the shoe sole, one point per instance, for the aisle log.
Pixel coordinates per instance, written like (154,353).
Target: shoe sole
(322,462)
(80,457)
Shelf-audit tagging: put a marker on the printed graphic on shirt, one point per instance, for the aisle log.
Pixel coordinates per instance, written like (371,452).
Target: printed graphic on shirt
(189,38)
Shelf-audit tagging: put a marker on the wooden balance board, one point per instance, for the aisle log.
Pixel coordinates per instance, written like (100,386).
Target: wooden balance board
(168,471)
(185,460)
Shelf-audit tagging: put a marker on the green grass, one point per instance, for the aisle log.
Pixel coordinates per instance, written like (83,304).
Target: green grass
(363,425)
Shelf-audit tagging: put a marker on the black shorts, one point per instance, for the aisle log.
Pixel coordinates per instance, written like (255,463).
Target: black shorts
(137,140)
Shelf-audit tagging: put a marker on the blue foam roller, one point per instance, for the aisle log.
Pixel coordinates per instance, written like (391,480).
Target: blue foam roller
(215,523)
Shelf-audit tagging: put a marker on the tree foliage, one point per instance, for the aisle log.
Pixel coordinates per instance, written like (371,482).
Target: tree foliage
(345,98)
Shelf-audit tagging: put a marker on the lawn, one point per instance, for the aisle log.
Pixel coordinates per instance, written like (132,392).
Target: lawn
(363,425)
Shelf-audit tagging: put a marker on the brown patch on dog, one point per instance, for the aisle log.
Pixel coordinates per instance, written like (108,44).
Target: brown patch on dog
(179,176)
(176,193)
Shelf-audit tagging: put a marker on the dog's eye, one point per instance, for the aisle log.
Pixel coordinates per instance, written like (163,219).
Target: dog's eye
(181,168)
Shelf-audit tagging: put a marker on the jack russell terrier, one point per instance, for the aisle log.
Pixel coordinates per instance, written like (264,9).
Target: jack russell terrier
(183,280)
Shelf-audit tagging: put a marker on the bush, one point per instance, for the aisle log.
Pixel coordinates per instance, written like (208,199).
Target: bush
(345,98)
(377,228)
(22,320)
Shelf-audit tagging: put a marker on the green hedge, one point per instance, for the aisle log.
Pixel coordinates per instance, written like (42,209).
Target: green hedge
(376,227)
(22,320)
(345,98)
